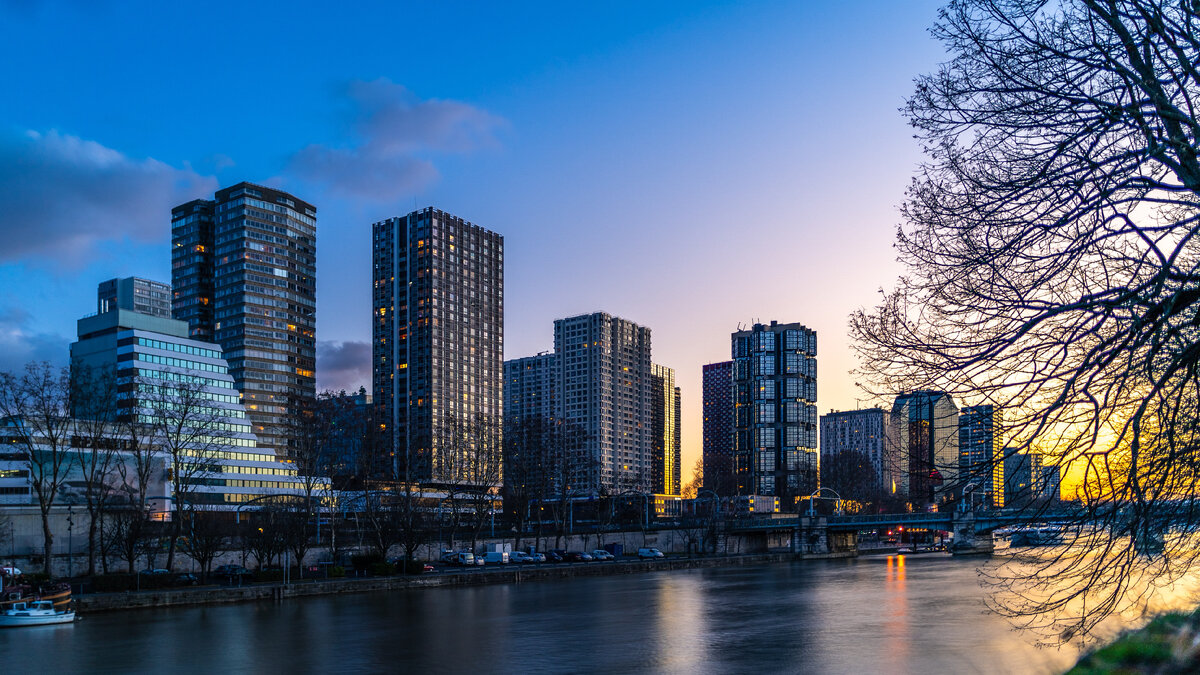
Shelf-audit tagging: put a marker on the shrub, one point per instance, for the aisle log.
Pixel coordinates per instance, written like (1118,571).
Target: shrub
(337,572)
(364,562)
(382,569)
(112,583)
(413,566)
(268,575)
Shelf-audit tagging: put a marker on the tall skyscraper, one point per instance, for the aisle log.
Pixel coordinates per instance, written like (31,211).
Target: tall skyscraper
(605,390)
(529,384)
(244,273)
(775,420)
(719,474)
(135,294)
(438,338)
(863,431)
(666,454)
(980,465)
(924,430)
(1023,477)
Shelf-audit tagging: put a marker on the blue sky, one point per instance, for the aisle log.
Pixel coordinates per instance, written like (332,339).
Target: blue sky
(686,165)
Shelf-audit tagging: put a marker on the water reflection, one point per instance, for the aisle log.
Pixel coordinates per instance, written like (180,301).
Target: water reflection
(890,615)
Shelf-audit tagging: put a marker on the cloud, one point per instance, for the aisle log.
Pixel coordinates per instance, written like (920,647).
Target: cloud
(395,132)
(19,345)
(60,195)
(343,365)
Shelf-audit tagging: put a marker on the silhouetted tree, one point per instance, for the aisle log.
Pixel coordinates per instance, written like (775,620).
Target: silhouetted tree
(1051,269)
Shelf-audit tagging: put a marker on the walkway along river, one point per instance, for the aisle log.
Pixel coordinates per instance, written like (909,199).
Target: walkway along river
(871,614)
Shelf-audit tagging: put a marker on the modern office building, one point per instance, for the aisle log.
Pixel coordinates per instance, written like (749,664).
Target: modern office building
(775,412)
(160,371)
(1023,479)
(665,421)
(864,431)
(1050,486)
(719,474)
(133,293)
(438,339)
(980,462)
(244,277)
(605,391)
(924,430)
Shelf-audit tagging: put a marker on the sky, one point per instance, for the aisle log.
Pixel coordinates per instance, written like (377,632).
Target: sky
(691,166)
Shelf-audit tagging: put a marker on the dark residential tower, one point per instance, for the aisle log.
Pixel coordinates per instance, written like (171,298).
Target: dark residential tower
(438,338)
(719,473)
(665,471)
(244,274)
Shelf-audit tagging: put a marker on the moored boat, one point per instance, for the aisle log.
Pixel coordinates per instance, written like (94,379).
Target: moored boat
(37,613)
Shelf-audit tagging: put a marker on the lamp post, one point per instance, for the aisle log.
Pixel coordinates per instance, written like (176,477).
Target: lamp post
(70,541)
(812,500)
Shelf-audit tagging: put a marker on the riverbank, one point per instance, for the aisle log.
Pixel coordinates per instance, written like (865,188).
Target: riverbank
(212,595)
(1169,644)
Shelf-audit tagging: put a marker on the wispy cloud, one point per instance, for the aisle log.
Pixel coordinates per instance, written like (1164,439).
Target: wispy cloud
(61,194)
(20,345)
(395,133)
(344,365)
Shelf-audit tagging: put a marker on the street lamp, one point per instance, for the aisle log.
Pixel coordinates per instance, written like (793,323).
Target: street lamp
(812,500)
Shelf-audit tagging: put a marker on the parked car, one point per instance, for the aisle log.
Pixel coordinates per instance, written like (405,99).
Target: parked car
(601,554)
(650,553)
(578,556)
(557,555)
(496,557)
(521,557)
(460,558)
(155,572)
(231,571)
(186,579)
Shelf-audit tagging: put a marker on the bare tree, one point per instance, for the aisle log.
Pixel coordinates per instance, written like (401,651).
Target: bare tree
(696,482)
(95,404)
(852,475)
(209,534)
(471,459)
(191,431)
(127,534)
(36,406)
(1051,254)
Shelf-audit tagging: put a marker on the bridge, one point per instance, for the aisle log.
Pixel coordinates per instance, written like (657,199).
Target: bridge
(837,534)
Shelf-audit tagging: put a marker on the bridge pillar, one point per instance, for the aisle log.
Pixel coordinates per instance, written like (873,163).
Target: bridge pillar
(811,536)
(968,541)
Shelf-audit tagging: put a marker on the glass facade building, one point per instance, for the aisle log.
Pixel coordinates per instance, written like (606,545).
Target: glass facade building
(775,412)
(244,276)
(865,431)
(924,431)
(665,421)
(980,443)
(719,474)
(437,336)
(140,295)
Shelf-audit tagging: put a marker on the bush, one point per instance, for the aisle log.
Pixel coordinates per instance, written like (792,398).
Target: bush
(112,583)
(268,575)
(364,562)
(337,572)
(382,569)
(413,566)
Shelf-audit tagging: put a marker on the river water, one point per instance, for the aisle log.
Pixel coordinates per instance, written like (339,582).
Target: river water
(873,614)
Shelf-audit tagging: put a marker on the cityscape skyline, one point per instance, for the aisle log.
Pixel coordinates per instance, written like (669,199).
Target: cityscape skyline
(485,140)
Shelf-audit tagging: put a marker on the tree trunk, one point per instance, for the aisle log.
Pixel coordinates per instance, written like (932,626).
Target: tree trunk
(91,544)
(47,541)
(176,528)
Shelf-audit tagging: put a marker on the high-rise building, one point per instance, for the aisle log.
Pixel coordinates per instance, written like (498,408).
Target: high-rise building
(719,474)
(529,384)
(244,274)
(980,465)
(1022,477)
(135,294)
(1050,486)
(605,390)
(775,412)
(924,430)
(861,431)
(666,453)
(158,367)
(438,339)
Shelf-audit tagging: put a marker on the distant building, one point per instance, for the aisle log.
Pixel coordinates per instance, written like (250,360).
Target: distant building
(719,473)
(864,431)
(924,430)
(980,465)
(438,341)
(775,413)
(605,390)
(665,470)
(529,385)
(1022,477)
(1050,486)
(136,294)
(244,271)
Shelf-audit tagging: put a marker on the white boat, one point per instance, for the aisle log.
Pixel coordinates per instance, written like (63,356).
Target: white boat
(36,613)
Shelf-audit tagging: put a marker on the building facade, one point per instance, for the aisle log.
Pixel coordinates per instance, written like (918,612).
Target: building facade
(775,413)
(719,474)
(980,465)
(924,430)
(244,274)
(438,340)
(666,474)
(863,431)
(136,294)
(605,391)
(529,385)
(1023,477)
(167,382)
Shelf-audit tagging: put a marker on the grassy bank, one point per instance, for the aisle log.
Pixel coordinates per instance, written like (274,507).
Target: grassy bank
(1168,644)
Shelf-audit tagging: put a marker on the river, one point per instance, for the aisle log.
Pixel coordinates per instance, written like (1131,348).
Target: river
(874,614)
